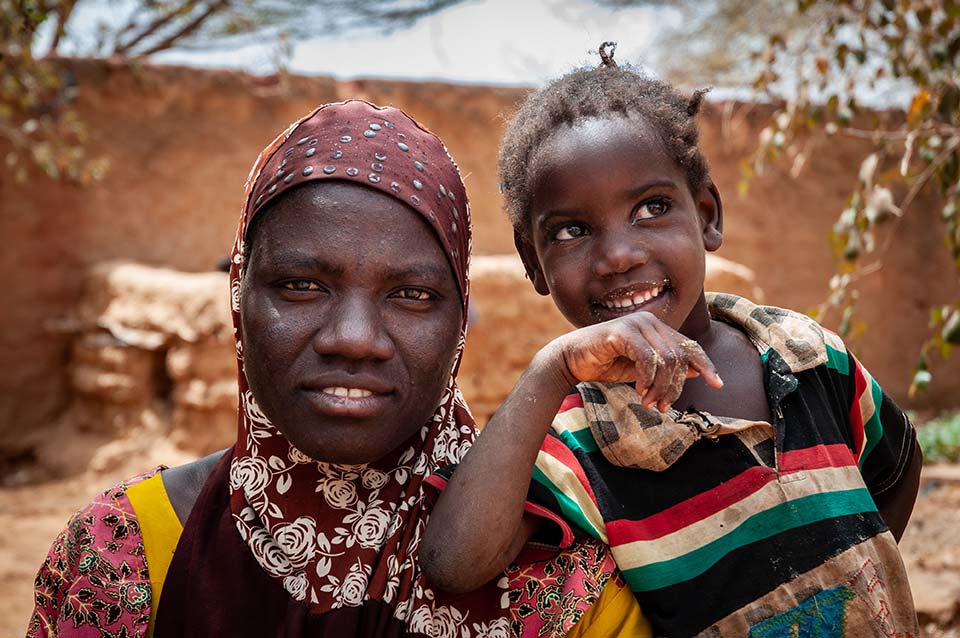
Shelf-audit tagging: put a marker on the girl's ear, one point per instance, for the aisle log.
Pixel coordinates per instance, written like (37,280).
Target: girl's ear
(710,206)
(530,262)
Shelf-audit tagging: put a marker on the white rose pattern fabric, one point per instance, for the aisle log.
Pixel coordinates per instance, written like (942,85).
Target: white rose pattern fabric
(338,535)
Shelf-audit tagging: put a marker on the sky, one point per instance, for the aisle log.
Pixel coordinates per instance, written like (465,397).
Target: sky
(513,42)
(505,42)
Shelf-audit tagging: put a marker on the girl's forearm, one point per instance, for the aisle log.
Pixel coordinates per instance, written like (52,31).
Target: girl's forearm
(476,529)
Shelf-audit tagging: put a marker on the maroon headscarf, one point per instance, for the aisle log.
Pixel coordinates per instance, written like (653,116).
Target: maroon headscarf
(332,537)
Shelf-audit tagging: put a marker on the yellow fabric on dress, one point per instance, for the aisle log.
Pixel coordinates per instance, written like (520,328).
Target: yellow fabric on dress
(616,613)
(160,529)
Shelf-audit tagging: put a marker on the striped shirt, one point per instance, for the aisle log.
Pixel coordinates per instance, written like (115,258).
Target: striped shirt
(745,529)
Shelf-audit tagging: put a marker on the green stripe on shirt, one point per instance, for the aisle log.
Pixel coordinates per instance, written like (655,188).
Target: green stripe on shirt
(838,360)
(579,440)
(569,509)
(872,429)
(763,525)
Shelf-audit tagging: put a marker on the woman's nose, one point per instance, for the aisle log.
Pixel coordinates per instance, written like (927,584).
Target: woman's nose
(354,329)
(618,252)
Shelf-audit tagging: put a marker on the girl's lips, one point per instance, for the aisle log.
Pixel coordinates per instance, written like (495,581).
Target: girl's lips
(630,300)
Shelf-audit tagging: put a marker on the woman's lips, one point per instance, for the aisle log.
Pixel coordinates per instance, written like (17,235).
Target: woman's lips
(351,402)
(353,393)
(352,396)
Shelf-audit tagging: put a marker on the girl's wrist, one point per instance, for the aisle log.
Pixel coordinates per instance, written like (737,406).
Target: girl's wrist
(550,367)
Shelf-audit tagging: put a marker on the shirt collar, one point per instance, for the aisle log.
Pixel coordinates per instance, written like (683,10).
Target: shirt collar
(797,338)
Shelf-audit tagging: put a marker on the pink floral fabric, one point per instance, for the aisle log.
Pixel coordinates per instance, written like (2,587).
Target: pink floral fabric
(94,581)
(548,597)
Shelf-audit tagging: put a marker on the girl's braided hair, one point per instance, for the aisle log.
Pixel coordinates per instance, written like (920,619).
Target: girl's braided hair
(606,90)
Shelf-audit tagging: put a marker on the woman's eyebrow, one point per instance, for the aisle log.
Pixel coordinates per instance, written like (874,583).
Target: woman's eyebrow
(304,263)
(419,271)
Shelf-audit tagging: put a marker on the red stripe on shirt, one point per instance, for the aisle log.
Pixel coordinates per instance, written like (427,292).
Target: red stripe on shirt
(856,416)
(555,448)
(692,510)
(815,458)
(571,401)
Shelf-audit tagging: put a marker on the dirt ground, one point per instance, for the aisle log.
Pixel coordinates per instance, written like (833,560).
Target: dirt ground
(32,513)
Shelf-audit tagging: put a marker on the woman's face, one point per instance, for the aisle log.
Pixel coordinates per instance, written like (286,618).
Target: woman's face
(351,320)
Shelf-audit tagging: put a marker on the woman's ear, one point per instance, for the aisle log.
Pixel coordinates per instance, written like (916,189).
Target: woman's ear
(710,206)
(528,255)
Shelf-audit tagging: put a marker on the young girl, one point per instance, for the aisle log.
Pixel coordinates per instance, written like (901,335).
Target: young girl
(778,518)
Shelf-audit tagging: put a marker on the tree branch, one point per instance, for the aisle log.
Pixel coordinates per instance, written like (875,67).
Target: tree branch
(150,29)
(187,29)
(63,15)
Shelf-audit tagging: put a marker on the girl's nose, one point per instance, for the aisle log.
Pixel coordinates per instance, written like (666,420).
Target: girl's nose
(354,329)
(617,253)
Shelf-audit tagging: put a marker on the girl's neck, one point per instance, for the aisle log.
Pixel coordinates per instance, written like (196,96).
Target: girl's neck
(698,325)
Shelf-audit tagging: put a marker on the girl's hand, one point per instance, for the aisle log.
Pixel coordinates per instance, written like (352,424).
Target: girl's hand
(638,347)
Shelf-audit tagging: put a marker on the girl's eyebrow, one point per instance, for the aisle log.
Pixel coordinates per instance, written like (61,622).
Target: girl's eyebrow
(654,183)
(547,215)
(630,193)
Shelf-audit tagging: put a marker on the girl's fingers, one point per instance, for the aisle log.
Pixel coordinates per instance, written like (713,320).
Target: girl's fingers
(677,365)
(700,364)
(664,382)
(645,362)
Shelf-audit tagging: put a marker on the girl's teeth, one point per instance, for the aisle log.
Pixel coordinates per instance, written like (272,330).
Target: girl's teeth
(635,300)
(353,393)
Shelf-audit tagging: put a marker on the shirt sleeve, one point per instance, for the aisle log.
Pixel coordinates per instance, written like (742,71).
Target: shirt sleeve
(561,490)
(883,439)
(94,578)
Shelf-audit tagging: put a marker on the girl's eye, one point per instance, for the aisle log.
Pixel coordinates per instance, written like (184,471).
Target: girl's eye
(300,285)
(653,208)
(566,232)
(414,294)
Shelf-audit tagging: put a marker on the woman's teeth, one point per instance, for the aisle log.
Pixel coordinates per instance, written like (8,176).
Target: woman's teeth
(353,393)
(634,299)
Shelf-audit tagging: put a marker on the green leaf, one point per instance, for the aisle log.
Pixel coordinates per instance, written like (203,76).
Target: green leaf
(953,48)
(951,328)
(840,55)
(949,210)
(922,379)
(949,101)
(845,322)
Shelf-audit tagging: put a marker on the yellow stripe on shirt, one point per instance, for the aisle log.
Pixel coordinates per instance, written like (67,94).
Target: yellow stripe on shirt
(160,529)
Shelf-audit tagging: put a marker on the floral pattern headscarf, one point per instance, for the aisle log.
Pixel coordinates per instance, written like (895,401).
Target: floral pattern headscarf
(337,535)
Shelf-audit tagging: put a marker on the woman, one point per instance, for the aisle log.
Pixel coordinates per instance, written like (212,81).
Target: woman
(349,293)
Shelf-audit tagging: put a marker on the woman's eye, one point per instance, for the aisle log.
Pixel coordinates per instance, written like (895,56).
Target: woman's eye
(300,285)
(653,208)
(566,232)
(414,294)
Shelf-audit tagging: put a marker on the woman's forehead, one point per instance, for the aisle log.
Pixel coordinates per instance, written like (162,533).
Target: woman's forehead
(342,225)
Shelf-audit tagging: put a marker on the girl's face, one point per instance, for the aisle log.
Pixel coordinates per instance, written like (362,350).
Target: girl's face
(614,228)
(351,319)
